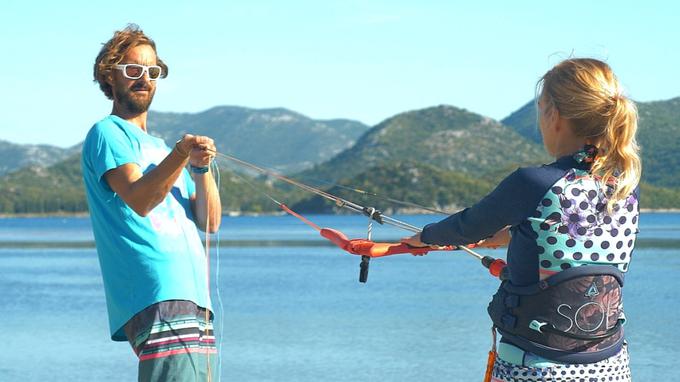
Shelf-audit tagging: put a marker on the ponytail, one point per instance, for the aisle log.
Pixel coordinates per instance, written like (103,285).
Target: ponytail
(586,92)
(618,158)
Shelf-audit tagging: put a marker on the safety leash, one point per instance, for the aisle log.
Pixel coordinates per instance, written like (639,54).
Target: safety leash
(491,359)
(207,272)
(218,182)
(205,338)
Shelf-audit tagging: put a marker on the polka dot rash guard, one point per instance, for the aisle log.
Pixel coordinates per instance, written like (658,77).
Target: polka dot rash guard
(558,218)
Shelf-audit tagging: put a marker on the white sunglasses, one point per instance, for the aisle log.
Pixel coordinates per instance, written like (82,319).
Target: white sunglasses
(136,71)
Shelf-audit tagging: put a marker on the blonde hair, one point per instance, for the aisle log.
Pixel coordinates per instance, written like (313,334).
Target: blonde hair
(115,49)
(586,92)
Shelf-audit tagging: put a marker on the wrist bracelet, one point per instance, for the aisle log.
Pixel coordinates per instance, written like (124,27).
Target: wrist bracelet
(199,170)
(179,151)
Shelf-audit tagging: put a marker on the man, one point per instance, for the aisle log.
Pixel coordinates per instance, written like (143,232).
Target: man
(145,209)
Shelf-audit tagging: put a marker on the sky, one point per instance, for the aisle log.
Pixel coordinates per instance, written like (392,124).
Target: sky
(362,60)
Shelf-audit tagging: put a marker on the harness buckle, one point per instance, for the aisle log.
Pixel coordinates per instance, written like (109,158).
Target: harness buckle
(537,325)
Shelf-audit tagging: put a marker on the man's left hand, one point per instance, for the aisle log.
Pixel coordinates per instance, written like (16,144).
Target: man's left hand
(201,149)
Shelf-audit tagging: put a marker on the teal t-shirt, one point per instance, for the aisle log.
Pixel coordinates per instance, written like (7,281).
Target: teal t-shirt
(144,260)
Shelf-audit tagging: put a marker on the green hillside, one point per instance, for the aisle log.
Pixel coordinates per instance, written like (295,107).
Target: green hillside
(57,188)
(241,193)
(524,121)
(406,181)
(15,156)
(658,136)
(445,137)
(659,197)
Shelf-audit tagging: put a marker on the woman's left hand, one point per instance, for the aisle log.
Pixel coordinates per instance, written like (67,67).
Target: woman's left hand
(499,239)
(414,241)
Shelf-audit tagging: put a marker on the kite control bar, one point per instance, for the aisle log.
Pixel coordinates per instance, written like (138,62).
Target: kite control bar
(368,249)
(363,247)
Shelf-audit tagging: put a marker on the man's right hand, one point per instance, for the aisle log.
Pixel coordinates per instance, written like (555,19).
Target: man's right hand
(142,192)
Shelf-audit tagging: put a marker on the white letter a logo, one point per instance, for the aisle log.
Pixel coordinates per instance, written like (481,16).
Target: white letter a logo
(592,291)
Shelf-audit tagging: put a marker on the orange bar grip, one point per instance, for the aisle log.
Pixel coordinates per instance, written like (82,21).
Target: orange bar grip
(496,267)
(336,237)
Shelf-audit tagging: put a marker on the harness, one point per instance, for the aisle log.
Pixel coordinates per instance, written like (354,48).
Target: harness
(574,316)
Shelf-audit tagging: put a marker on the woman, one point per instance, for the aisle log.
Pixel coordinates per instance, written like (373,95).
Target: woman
(570,227)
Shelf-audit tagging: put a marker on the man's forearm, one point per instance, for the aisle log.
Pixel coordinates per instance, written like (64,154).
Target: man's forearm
(143,192)
(207,205)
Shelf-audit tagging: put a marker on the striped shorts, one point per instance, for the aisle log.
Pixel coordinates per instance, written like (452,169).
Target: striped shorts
(173,342)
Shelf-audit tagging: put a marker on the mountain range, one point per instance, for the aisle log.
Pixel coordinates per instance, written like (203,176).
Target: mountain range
(278,138)
(442,156)
(16,156)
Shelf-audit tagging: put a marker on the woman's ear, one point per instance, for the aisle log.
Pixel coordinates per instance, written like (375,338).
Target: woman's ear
(557,121)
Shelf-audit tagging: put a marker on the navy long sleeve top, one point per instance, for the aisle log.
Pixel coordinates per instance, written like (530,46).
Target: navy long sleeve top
(557,216)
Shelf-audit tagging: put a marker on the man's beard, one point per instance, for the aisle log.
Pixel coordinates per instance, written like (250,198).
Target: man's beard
(132,102)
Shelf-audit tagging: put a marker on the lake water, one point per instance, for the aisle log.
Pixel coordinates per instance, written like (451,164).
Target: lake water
(293,309)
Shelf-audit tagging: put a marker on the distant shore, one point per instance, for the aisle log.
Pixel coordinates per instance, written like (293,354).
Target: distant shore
(46,215)
(86,214)
(660,210)
(236,214)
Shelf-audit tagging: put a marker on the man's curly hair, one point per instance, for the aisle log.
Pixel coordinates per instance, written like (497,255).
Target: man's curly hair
(114,50)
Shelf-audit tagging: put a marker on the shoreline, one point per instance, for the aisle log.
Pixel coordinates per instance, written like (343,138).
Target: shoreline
(237,214)
(86,214)
(660,210)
